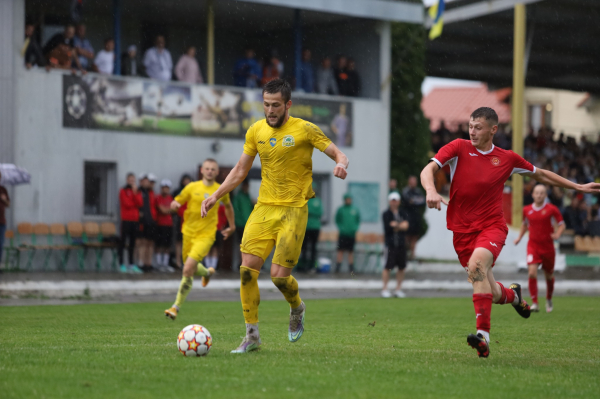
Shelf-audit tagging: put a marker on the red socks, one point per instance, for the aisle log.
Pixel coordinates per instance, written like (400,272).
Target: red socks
(533,290)
(550,288)
(483,310)
(508,295)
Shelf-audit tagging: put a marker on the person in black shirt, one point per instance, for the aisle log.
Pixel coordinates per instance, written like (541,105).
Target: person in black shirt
(414,204)
(395,225)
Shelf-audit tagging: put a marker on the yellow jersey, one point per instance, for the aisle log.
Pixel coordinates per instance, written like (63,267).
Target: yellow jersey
(193,194)
(286,160)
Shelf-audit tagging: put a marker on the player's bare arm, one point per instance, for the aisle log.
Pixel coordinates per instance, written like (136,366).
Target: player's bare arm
(341,161)
(559,230)
(229,214)
(234,178)
(547,177)
(175,205)
(433,199)
(522,232)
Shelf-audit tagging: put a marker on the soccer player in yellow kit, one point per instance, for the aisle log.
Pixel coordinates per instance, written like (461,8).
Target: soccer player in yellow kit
(285,146)
(199,232)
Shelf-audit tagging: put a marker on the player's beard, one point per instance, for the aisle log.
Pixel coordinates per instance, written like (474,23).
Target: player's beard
(278,123)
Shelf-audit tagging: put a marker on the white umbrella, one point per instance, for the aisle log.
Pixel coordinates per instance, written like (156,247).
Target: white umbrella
(12,175)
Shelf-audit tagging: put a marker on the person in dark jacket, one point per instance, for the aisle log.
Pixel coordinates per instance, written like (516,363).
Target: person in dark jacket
(32,51)
(130,202)
(130,63)
(147,225)
(414,204)
(395,225)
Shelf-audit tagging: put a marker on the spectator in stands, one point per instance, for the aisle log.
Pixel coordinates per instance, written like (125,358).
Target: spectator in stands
(347,219)
(271,70)
(63,57)
(353,78)
(395,224)
(130,202)
(393,186)
(130,63)
(178,220)
(246,71)
(576,216)
(31,50)
(413,199)
(4,203)
(311,237)
(158,61)
(341,76)
(340,126)
(326,83)
(164,229)
(147,234)
(85,51)
(556,198)
(104,62)
(187,68)
(66,37)
(307,74)
(242,207)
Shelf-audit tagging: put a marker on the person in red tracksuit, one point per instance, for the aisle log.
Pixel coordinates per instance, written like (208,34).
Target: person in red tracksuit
(130,201)
(545,224)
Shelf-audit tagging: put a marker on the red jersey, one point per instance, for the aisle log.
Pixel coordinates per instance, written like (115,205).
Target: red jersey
(130,204)
(477,181)
(163,219)
(540,225)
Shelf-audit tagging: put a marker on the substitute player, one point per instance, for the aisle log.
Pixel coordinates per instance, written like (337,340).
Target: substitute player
(478,172)
(285,145)
(199,231)
(545,224)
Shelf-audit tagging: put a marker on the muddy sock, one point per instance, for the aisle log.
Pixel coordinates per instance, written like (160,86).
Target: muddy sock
(252,331)
(184,289)
(289,288)
(249,294)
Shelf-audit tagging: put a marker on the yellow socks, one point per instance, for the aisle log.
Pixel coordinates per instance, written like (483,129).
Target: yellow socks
(201,271)
(289,288)
(250,294)
(184,289)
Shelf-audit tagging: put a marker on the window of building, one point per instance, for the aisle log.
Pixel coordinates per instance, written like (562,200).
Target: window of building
(100,189)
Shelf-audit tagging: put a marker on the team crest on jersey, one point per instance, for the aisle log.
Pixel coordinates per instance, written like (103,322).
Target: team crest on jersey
(288,141)
(495,161)
(206,195)
(273,141)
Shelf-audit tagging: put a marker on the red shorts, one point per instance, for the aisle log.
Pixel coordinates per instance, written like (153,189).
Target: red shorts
(492,239)
(541,254)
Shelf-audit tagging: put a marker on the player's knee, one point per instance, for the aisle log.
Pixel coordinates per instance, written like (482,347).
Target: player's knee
(476,271)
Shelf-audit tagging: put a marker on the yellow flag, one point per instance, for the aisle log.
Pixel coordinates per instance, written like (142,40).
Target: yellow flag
(436,13)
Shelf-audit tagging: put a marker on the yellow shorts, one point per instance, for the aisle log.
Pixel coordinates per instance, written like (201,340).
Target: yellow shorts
(283,226)
(196,247)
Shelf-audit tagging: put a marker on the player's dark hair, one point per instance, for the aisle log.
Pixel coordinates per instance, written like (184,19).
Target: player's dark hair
(279,86)
(107,40)
(487,113)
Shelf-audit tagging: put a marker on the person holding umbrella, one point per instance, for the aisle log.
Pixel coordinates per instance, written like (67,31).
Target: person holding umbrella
(4,203)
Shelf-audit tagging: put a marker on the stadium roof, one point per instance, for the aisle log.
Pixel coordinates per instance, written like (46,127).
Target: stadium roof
(562,36)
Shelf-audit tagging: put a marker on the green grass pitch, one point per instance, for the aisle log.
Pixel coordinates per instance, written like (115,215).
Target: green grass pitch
(417,349)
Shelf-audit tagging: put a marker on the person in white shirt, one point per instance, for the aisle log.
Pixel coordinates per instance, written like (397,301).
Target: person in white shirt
(104,62)
(158,61)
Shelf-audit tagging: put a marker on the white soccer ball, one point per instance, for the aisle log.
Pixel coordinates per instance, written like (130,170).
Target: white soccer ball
(194,340)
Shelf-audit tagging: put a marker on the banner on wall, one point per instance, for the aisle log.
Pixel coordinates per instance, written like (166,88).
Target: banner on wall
(108,103)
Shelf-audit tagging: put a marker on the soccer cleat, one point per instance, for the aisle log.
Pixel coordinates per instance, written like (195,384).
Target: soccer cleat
(399,294)
(479,342)
(548,305)
(123,269)
(248,344)
(135,270)
(535,307)
(522,307)
(296,327)
(171,312)
(386,294)
(206,279)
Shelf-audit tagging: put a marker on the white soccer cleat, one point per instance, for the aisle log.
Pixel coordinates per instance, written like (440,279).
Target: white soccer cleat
(535,307)
(386,294)
(548,305)
(399,294)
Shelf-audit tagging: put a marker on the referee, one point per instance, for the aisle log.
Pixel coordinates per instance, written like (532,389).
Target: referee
(395,225)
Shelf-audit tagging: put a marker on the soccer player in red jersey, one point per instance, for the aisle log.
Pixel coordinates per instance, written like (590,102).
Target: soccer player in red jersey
(478,173)
(541,218)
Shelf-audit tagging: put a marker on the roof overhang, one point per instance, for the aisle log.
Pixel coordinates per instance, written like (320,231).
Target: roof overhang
(397,11)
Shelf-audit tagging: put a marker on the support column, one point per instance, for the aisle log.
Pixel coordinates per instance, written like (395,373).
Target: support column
(298,46)
(518,109)
(210,43)
(117,35)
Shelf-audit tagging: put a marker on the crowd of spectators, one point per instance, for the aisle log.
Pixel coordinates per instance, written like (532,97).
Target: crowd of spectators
(72,50)
(578,161)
